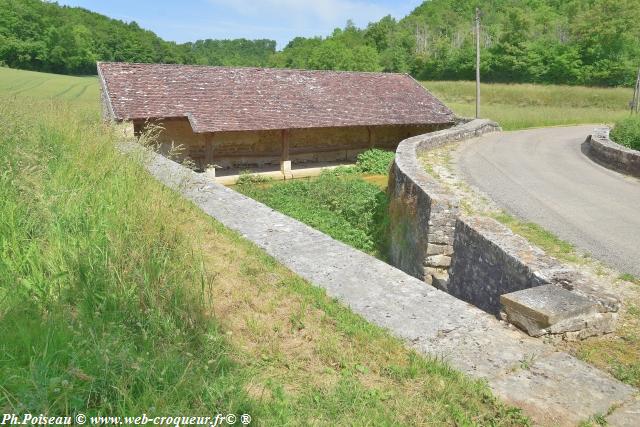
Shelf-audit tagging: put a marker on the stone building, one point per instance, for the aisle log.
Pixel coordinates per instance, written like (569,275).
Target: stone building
(246,117)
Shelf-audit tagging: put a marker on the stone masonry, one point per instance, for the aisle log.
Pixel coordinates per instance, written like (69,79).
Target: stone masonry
(423,214)
(552,387)
(504,274)
(480,260)
(603,150)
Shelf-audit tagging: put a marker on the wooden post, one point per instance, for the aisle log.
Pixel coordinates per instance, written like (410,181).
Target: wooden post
(285,162)
(477,63)
(370,141)
(636,95)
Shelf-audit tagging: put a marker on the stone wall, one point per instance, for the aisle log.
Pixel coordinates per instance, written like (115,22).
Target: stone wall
(422,213)
(481,261)
(614,156)
(505,275)
(259,148)
(491,261)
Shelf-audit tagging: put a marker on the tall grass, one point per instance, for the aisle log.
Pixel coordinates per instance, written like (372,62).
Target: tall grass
(520,106)
(101,298)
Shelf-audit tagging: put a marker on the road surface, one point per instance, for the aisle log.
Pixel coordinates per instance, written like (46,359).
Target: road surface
(541,175)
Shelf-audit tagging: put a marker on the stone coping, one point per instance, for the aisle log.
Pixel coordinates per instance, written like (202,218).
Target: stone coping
(552,387)
(601,149)
(490,266)
(422,212)
(406,159)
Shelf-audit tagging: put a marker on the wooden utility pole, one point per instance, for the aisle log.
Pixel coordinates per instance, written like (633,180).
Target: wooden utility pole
(636,95)
(477,63)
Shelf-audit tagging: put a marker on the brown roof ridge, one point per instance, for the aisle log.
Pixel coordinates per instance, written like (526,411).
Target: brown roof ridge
(304,70)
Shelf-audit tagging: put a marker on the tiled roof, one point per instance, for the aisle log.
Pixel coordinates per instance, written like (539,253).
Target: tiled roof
(232,99)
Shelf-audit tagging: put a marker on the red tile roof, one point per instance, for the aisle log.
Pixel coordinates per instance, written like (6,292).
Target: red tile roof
(232,99)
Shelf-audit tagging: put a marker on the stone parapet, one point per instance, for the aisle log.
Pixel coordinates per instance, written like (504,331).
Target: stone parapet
(423,214)
(601,149)
(479,260)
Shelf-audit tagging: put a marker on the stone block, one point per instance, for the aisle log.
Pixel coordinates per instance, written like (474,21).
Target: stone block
(626,415)
(559,390)
(549,306)
(434,249)
(210,172)
(438,277)
(438,261)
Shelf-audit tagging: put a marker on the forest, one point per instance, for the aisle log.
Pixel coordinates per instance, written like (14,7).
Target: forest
(575,42)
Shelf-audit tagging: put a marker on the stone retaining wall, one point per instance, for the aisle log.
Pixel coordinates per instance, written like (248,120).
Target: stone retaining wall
(423,214)
(503,274)
(554,388)
(481,261)
(614,156)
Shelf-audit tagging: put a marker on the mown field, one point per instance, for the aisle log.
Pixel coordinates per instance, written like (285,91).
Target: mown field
(117,297)
(520,106)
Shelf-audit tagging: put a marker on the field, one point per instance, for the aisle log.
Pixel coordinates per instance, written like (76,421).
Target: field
(82,91)
(521,106)
(118,297)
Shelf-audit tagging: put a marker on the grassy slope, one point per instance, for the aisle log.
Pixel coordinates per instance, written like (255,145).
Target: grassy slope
(118,297)
(520,106)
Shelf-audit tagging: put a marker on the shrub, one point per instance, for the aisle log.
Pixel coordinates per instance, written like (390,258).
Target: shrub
(627,132)
(375,161)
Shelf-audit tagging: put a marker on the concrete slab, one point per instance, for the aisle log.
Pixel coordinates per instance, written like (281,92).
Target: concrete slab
(627,415)
(540,307)
(560,390)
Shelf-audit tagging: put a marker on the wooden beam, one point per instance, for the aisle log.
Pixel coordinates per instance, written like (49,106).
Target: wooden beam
(285,145)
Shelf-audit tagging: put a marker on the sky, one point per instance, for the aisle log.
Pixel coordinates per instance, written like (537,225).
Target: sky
(280,20)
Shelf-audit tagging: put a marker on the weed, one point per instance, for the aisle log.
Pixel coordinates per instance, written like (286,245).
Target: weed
(629,278)
(537,235)
(627,132)
(375,161)
(344,206)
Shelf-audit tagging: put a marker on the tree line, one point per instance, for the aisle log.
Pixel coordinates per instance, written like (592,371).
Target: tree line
(588,42)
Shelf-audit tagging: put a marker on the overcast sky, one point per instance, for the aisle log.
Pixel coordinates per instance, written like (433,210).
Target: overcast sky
(279,20)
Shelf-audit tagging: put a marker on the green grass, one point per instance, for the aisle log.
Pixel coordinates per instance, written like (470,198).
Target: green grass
(627,132)
(628,277)
(119,297)
(101,301)
(521,106)
(540,237)
(338,203)
(82,91)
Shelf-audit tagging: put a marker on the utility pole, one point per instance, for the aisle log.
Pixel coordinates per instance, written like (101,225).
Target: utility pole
(636,95)
(477,63)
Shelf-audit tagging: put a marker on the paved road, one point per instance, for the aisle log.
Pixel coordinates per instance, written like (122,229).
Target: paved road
(542,175)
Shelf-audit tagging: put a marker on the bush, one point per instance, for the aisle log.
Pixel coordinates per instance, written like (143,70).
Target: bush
(375,161)
(627,132)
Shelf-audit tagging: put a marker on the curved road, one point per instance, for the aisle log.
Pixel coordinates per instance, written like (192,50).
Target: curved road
(541,175)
